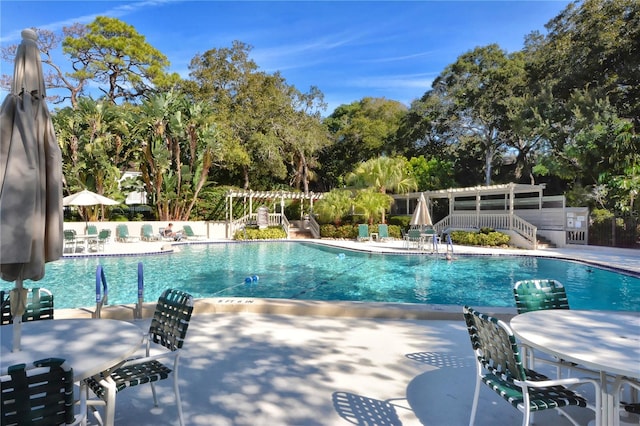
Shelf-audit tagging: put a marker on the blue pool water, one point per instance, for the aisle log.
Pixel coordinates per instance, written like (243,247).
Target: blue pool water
(307,271)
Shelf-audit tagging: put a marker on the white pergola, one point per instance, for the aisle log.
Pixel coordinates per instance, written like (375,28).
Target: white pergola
(262,197)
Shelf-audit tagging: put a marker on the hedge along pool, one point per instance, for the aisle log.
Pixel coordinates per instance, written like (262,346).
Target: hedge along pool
(307,271)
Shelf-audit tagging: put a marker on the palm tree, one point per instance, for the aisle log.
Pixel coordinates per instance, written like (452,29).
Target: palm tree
(372,204)
(334,205)
(383,174)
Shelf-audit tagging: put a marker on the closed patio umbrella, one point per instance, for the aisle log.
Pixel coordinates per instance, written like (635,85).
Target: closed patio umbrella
(30,179)
(421,214)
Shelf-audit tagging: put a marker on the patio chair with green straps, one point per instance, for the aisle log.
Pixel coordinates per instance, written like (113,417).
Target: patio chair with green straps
(70,243)
(103,238)
(534,295)
(166,337)
(413,239)
(92,230)
(39,393)
(499,366)
(39,306)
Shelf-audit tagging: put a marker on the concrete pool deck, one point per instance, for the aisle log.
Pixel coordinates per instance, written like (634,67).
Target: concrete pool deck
(265,367)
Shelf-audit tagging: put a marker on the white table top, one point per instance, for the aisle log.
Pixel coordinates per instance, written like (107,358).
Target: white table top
(89,345)
(602,341)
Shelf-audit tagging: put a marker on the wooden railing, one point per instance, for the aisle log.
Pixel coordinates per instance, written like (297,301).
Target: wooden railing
(284,222)
(496,221)
(314,227)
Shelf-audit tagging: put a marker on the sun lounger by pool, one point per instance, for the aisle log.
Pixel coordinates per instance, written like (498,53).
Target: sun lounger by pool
(190,235)
(383,232)
(146,233)
(122,234)
(363,232)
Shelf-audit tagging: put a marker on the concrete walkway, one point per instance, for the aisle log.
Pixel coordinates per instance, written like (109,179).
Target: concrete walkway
(250,368)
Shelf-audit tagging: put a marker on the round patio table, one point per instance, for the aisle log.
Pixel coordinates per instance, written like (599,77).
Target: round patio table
(89,346)
(605,342)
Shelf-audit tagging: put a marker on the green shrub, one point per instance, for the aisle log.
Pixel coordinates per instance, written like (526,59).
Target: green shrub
(401,221)
(347,231)
(600,215)
(271,233)
(489,238)
(327,231)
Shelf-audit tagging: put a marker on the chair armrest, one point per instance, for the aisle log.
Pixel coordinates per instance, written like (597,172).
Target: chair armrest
(151,357)
(568,381)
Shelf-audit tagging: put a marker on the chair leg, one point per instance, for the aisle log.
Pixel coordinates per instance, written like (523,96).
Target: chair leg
(110,399)
(474,406)
(526,416)
(176,389)
(155,397)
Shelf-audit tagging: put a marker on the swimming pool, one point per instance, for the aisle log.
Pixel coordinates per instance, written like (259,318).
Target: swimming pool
(308,271)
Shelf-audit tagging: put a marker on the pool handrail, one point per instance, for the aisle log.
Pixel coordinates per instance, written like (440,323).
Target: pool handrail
(139,304)
(101,297)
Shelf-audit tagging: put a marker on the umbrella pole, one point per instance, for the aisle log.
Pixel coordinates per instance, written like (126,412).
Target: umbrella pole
(17,333)
(18,305)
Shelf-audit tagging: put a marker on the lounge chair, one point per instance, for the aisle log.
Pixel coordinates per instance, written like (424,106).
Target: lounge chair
(39,306)
(122,234)
(499,366)
(146,233)
(383,232)
(166,333)
(363,232)
(39,393)
(188,232)
(162,236)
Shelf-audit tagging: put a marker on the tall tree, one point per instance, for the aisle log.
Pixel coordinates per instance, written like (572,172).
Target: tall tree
(476,84)
(96,147)
(305,136)
(178,144)
(275,128)
(585,73)
(362,130)
(114,54)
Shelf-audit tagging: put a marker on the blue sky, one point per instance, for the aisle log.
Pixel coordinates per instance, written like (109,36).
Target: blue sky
(349,50)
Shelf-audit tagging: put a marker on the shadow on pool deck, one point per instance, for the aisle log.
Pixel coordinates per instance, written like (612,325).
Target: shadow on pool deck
(256,369)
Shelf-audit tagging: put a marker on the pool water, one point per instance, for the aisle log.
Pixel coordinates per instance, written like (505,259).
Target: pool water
(307,271)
